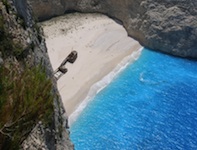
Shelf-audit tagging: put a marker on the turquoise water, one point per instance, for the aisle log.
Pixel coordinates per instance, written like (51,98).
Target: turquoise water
(151,105)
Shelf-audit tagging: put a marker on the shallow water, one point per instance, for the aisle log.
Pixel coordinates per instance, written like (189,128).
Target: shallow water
(152,104)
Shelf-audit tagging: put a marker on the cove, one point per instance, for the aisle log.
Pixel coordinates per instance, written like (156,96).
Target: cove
(150,105)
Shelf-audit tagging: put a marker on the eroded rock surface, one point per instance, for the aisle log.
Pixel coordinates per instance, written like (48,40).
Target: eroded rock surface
(164,25)
(23,31)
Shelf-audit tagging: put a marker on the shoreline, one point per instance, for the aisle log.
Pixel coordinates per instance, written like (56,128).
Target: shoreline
(104,82)
(101,44)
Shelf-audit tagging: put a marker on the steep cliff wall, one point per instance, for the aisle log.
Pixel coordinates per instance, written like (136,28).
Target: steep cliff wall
(22,48)
(164,25)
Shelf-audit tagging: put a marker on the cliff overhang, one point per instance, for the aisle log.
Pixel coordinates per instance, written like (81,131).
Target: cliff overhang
(166,26)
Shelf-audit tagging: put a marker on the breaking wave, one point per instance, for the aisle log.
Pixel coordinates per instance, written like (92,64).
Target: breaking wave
(100,85)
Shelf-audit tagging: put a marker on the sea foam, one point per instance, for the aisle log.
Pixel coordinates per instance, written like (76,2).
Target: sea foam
(151,104)
(100,85)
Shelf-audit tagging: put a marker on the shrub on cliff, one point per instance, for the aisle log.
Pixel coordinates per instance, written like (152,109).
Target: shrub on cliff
(25,99)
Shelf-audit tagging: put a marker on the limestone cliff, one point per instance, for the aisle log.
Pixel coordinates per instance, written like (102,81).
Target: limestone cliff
(22,48)
(164,25)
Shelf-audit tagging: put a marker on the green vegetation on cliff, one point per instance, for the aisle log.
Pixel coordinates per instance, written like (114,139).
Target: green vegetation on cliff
(25,99)
(25,92)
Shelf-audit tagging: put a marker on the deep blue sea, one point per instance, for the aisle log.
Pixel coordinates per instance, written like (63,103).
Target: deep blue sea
(151,105)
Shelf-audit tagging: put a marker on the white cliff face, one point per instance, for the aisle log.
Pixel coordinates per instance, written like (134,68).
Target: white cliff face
(166,26)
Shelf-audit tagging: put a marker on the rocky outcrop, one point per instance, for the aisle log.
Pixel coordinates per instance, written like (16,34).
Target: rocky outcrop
(164,25)
(19,22)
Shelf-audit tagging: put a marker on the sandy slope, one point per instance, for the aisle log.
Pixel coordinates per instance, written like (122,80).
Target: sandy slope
(101,44)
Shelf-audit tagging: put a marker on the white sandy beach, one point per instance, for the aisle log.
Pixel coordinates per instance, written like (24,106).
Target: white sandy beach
(101,44)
